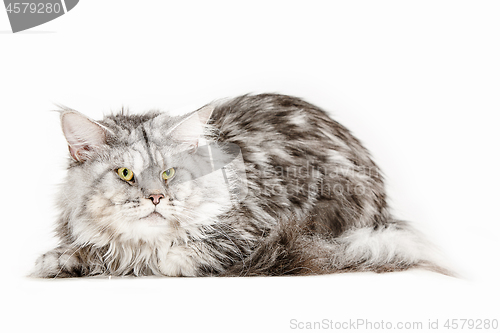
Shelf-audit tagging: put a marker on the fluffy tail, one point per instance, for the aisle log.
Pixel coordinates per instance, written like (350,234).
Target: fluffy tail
(395,246)
(292,250)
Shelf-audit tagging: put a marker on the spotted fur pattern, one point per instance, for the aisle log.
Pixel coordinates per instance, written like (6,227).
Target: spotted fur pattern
(315,204)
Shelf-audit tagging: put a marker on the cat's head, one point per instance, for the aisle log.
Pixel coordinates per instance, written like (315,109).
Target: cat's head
(139,178)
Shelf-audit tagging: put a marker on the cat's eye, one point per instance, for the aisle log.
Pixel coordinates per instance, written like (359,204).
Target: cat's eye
(125,174)
(168,174)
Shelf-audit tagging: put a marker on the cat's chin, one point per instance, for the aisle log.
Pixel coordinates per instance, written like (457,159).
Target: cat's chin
(151,228)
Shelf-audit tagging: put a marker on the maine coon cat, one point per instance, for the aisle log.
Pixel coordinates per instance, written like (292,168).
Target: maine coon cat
(137,199)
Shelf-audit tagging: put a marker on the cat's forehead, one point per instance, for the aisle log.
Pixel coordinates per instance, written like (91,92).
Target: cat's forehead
(144,151)
(140,156)
(142,141)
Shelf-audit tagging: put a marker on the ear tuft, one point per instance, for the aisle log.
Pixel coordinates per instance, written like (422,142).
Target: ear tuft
(82,134)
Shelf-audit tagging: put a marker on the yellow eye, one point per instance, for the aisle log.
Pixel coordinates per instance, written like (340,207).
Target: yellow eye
(125,174)
(168,174)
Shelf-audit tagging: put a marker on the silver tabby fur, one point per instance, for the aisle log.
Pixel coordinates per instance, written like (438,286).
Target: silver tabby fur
(316,201)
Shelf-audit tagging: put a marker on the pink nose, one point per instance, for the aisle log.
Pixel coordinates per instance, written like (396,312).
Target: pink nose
(156,198)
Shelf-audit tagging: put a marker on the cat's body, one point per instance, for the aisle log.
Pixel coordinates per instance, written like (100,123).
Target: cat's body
(315,202)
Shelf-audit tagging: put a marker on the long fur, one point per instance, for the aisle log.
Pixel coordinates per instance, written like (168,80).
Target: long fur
(314,200)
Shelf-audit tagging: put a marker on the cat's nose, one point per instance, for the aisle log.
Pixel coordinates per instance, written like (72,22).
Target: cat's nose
(156,198)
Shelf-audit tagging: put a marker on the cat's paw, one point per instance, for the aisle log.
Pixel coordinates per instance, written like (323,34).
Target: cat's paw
(58,263)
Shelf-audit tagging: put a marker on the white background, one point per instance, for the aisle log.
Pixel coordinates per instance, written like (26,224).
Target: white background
(417,81)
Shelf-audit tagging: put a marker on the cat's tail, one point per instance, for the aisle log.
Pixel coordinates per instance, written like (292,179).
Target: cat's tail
(393,247)
(291,250)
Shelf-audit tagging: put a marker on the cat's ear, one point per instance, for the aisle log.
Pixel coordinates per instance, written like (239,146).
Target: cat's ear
(191,129)
(82,134)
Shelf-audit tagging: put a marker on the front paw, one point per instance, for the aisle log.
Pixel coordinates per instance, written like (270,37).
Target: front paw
(58,263)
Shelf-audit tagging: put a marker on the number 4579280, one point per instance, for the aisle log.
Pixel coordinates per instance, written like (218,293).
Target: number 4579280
(471,324)
(31,7)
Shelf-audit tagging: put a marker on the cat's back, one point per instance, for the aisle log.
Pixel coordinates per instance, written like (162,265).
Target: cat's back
(281,115)
(287,127)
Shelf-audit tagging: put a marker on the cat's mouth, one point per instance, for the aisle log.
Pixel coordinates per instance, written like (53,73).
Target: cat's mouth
(153,215)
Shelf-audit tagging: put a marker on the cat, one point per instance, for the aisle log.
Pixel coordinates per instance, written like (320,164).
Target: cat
(305,198)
